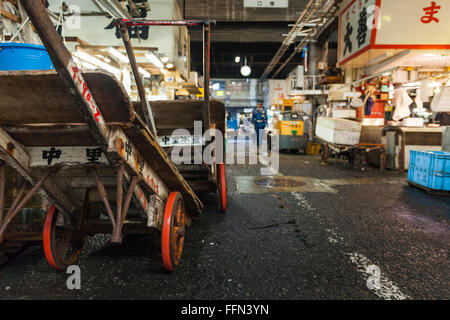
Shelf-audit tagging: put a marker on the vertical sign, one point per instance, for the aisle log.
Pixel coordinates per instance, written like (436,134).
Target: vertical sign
(277,91)
(356,22)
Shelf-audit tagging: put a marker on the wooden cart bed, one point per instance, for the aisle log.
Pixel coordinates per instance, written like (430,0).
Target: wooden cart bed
(37,111)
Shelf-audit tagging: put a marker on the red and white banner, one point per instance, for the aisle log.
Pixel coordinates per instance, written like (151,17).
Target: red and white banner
(387,24)
(356,22)
(413,24)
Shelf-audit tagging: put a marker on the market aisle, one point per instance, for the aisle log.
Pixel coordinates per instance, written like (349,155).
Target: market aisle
(279,245)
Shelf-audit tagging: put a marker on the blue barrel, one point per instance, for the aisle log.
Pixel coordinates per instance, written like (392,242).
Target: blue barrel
(24,56)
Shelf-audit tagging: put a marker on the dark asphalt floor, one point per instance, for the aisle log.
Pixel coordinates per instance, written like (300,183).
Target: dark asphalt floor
(274,245)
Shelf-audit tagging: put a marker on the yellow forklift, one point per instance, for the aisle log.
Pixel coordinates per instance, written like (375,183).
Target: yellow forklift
(292,124)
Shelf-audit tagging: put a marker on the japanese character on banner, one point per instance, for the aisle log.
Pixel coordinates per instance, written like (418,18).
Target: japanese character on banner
(430,12)
(94,155)
(348,40)
(362,27)
(51,154)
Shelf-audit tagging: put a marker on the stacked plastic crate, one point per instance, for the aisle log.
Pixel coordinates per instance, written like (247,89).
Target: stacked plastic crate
(430,169)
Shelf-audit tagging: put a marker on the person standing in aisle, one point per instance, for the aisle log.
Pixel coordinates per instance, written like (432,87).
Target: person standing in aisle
(259,120)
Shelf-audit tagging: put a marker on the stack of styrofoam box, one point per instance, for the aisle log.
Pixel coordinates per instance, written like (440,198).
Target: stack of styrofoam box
(413,122)
(338,131)
(344,114)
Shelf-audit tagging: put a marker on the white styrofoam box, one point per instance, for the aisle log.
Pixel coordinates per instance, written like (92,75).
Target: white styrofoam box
(338,136)
(339,124)
(376,122)
(413,122)
(344,114)
(342,95)
(441,101)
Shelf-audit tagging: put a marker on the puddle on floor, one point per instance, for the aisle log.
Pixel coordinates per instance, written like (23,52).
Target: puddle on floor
(264,184)
(279,182)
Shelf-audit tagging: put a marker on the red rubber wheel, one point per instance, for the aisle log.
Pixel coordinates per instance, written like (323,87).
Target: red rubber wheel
(222,188)
(173,231)
(62,247)
(325,152)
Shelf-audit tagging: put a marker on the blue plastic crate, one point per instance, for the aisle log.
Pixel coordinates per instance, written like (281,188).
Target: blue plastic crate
(434,180)
(24,56)
(438,161)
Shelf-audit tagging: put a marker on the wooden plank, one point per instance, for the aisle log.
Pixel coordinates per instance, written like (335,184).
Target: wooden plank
(14,149)
(70,156)
(49,101)
(11,16)
(161,163)
(68,71)
(180,140)
(17,158)
(167,114)
(52,135)
(121,145)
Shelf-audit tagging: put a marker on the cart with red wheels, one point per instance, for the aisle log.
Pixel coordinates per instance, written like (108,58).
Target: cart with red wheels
(352,153)
(95,156)
(126,185)
(202,175)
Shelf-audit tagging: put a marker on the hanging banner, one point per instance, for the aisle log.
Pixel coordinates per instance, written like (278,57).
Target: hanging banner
(413,24)
(277,91)
(355,28)
(366,26)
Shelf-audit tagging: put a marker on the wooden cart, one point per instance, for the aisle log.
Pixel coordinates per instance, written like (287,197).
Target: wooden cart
(353,153)
(76,137)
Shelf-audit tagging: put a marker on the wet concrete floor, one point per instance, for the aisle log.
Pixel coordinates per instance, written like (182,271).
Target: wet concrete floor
(314,231)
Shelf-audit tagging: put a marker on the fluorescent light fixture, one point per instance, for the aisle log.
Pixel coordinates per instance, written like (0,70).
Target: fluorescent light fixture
(245,71)
(169,65)
(165,59)
(237,59)
(154,59)
(97,62)
(119,55)
(144,72)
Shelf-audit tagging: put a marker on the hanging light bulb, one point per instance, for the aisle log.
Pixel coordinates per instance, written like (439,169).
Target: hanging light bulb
(246,70)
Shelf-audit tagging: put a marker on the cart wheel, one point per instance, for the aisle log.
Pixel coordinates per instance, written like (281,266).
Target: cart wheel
(325,152)
(62,246)
(222,184)
(173,230)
